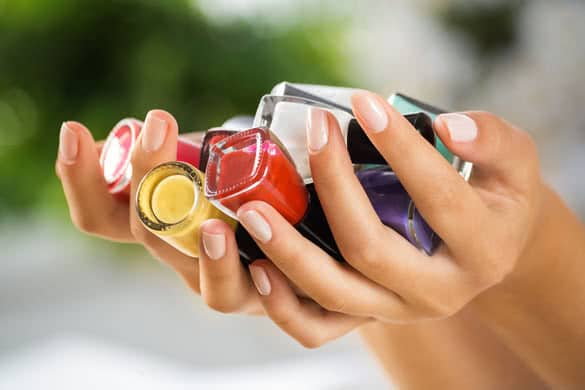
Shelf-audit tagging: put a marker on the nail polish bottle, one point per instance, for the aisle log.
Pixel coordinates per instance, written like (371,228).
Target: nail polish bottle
(338,97)
(253,165)
(286,117)
(212,136)
(406,105)
(396,209)
(238,122)
(117,153)
(170,203)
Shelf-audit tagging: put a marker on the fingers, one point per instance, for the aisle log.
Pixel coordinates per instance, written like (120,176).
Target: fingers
(452,208)
(498,150)
(92,208)
(157,143)
(379,253)
(334,286)
(304,320)
(337,184)
(225,284)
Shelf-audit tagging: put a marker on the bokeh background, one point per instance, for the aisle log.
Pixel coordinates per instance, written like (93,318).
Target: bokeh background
(75,311)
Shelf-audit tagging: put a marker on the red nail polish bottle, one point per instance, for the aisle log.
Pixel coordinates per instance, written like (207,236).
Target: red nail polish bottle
(117,153)
(253,165)
(250,165)
(212,136)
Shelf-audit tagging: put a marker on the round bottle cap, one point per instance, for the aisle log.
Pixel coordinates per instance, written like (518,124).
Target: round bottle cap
(117,152)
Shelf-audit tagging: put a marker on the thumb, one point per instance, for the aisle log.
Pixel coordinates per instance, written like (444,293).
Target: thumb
(497,149)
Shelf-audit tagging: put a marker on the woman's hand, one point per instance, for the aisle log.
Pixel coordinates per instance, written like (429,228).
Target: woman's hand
(485,225)
(217,275)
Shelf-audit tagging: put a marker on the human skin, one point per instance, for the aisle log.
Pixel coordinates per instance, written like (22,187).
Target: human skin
(511,250)
(458,352)
(226,287)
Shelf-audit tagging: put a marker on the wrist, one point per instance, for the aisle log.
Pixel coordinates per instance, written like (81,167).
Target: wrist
(554,245)
(538,309)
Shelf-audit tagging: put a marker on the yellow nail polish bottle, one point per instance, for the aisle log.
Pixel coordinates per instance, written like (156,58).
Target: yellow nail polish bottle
(171,204)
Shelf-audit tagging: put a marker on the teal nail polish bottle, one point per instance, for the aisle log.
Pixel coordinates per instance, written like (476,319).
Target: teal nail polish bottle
(407,105)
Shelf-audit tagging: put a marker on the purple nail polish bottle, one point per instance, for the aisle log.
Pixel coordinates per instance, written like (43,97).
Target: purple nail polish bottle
(395,208)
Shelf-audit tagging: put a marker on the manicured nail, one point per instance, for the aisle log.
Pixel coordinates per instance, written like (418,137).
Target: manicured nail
(461,127)
(260,280)
(368,107)
(256,225)
(68,144)
(214,245)
(154,133)
(317,129)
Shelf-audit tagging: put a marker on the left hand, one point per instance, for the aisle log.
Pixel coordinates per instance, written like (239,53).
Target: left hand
(485,224)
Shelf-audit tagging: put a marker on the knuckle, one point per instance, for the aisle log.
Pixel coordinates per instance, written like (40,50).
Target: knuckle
(283,321)
(311,341)
(220,304)
(86,223)
(364,254)
(441,199)
(494,271)
(441,310)
(441,307)
(136,159)
(529,145)
(335,304)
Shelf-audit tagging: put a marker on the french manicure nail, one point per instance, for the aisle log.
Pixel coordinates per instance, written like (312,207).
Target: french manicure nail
(154,133)
(214,245)
(68,144)
(368,106)
(317,129)
(260,280)
(461,127)
(256,225)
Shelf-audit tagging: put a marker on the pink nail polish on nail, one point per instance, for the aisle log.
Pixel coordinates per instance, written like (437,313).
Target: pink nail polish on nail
(260,280)
(369,107)
(68,144)
(214,245)
(317,129)
(153,133)
(256,225)
(461,127)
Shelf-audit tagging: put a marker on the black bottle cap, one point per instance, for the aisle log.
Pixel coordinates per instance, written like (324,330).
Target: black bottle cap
(249,250)
(362,151)
(314,226)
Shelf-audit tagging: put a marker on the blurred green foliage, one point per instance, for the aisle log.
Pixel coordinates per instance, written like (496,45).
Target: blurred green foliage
(99,61)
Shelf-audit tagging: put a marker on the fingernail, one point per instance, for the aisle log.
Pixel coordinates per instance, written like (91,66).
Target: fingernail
(256,225)
(260,280)
(68,144)
(317,129)
(368,107)
(461,127)
(214,245)
(153,133)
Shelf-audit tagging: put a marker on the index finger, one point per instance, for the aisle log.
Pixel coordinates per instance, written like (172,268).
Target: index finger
(449,204)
